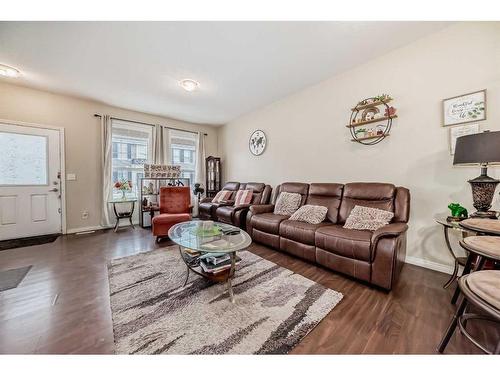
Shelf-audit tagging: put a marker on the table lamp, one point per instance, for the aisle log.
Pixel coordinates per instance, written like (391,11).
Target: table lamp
(480,149)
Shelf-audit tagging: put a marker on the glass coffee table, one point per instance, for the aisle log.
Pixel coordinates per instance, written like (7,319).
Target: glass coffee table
(197,244)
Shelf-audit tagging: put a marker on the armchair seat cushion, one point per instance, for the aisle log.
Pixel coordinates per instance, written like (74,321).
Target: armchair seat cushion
(171,218)
(299,231)
(350,243)
(268,222)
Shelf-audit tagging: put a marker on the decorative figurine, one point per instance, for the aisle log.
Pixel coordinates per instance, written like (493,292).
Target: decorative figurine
(458,213)
(360,132)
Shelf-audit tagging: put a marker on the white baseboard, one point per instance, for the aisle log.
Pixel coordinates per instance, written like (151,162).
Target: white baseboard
(83,229)
(97,227)
(445,268)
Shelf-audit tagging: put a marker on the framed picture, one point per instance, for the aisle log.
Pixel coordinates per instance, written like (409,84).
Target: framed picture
(464,108)
(458,131)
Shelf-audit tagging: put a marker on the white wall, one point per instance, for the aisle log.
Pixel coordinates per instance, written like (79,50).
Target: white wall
(83,140)
(308,140)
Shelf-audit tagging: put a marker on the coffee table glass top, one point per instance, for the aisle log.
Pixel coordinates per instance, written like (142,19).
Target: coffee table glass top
(191,235)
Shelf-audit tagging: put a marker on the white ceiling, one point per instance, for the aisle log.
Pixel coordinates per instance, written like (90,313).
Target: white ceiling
(241,66)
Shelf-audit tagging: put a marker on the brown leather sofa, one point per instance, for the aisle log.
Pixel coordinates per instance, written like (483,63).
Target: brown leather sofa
(206,208)
(236,215)
(375,257)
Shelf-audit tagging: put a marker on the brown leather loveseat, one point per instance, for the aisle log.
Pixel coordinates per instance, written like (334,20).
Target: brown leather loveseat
(236,215)
(226,211)
(375,257)
(207,208)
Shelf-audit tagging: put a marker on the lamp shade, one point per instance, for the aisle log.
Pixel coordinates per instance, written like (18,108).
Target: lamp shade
(478,148)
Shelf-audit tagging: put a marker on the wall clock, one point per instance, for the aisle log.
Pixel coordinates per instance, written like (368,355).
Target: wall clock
(257,142)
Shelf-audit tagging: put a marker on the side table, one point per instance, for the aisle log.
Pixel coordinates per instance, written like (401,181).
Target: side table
(458,261)
(123,214)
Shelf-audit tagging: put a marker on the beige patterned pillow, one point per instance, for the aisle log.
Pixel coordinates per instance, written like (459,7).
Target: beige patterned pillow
(310,214)
(367,218)
(287,203)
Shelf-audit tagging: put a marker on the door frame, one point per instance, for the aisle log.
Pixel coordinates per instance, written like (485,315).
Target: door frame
(62,159)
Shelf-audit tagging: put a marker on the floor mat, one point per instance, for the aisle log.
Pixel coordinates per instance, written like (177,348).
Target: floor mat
(29,241)
(10,279)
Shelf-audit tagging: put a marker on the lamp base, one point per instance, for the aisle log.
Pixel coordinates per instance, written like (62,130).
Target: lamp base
(484,215)
(483,190)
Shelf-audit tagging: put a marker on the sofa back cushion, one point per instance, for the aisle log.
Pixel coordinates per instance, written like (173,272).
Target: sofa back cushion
(257,190)
(402,205)
(231,186)
(295,187)
(367,194)
(328,195)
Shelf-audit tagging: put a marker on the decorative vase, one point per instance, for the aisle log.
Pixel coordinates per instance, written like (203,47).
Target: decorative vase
(123,194)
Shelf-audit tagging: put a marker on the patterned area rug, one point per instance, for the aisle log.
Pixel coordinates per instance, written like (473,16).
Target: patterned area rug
(153,314)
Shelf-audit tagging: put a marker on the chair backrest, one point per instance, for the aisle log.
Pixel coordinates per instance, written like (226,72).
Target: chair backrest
(175,199)
(368,194)
(328,195)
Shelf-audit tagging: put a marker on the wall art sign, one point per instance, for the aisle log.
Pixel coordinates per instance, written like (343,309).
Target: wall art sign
(162,171)
(257,142)
(464,108)
(459,131)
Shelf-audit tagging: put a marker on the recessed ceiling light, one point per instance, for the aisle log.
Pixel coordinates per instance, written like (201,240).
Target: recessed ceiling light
(8,71)
(189,84)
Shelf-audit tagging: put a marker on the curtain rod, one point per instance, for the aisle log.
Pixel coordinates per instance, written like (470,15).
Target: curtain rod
(145,123)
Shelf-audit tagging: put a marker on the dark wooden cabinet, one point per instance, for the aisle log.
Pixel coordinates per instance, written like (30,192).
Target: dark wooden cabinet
(213,172)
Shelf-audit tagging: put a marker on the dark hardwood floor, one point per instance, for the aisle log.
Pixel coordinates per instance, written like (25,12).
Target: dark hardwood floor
(62,306)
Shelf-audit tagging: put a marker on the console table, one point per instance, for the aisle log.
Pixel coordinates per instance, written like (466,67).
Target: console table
(123,214)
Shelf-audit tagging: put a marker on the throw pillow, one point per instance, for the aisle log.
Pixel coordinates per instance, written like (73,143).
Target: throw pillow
(367,218)
(310,214)
(287,203)
(221,196)
(243,197)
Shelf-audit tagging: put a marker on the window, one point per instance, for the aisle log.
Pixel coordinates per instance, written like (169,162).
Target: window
(23,160)
(132,147)
(183,153)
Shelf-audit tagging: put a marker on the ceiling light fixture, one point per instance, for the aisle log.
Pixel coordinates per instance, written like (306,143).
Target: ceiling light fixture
(8,71)
(189,84)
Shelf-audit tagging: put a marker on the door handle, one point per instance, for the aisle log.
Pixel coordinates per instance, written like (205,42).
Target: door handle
(55,190)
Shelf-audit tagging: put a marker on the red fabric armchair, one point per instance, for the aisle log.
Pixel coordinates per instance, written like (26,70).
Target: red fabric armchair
(175,207)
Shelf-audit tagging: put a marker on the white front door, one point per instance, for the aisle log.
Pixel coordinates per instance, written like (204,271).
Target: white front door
(30,165)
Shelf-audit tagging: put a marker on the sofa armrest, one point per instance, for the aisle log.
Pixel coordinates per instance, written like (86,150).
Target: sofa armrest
(206,200)
(241,207)
(226,203)
(261,208)
(389,230)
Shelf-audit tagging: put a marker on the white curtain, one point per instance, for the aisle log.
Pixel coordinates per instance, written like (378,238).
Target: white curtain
(200,160)
(200,168)
(106,156)
(160,145)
